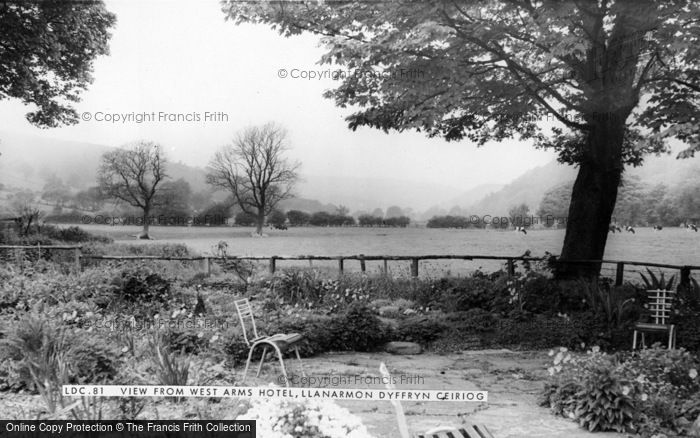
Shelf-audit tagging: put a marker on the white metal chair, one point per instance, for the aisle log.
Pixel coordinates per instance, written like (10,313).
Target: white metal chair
(660,303)
(465,431)
(280,342)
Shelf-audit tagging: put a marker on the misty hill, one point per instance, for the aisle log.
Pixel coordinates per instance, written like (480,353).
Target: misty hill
(27,162)
(473,195)
(369,193)
(307,205)
(530,187)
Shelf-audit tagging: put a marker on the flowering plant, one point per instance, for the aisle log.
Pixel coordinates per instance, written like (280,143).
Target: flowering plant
(279,418)
(651,391)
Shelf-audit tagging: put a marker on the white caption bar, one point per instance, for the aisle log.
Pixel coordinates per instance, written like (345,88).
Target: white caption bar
(271,392)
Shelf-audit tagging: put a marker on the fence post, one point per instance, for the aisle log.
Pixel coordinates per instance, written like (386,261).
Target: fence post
(272,264)
(511,267)
(76,255)
(340,266)
(363,266)
(685,277)
(386,268)
(206,266)
(414,267)
(619,274)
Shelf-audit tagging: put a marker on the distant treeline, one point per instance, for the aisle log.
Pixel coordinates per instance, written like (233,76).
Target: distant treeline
(474,221)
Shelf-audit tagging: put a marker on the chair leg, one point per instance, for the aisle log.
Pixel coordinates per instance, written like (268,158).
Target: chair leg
(247,363)
(634,340)
(672,337)
(262,359)
(301,364)
(644,344)
(284,370)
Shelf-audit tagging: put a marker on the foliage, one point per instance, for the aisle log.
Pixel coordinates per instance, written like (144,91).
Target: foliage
(277,219)
(72,235)
(170,368)
(357,329)
(420,329)
(48,50)
(244,219)
(298,218)
(133,175)
(325,219)
(45,356)
(450,222)
(657,283)
(254,170)
(143,285)
(642,392)
(367,220)
(513,64)
(152,249)
(360,330)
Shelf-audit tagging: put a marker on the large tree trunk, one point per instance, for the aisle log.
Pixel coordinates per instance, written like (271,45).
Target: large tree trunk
(260,223)
(146,223)
(593,200)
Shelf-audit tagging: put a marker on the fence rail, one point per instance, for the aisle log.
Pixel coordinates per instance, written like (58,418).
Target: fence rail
(510,261)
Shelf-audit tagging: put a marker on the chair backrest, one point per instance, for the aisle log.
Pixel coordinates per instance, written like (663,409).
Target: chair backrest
(660,305)
(245,315)
(400,417)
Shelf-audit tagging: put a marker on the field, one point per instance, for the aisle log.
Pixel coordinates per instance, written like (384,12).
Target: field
(671,245)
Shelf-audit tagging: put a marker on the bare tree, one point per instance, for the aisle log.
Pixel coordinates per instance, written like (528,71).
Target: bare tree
(132,175)
(254,170)
(23,205)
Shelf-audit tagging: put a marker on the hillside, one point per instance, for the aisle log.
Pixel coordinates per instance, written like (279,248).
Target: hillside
(530,187)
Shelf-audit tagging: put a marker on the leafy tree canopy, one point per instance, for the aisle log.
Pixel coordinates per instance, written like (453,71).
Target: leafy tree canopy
(490,70)
(46,52)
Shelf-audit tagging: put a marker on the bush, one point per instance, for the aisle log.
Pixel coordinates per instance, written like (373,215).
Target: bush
(151,249)
(420,329)
(72,234)
(44,356)
(654,391)
(142,285)
(360,330)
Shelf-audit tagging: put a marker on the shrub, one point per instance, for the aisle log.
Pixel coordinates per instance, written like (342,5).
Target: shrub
(420,329)
(473,321)
(151,249)
(142,285)
(171,369)
(72,235)
(542,331)
(360,330)
(44,357)
(654,391)
(92,359)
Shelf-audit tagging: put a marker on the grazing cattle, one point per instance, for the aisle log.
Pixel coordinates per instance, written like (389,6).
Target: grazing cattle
(629,229)
(221,248)
(658,228)
(693,227)
(615,228)
(521,230)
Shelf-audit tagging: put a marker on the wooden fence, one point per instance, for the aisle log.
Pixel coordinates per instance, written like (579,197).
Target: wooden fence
(76,258)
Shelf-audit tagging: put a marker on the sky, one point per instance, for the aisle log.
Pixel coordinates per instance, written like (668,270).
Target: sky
(182,57)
